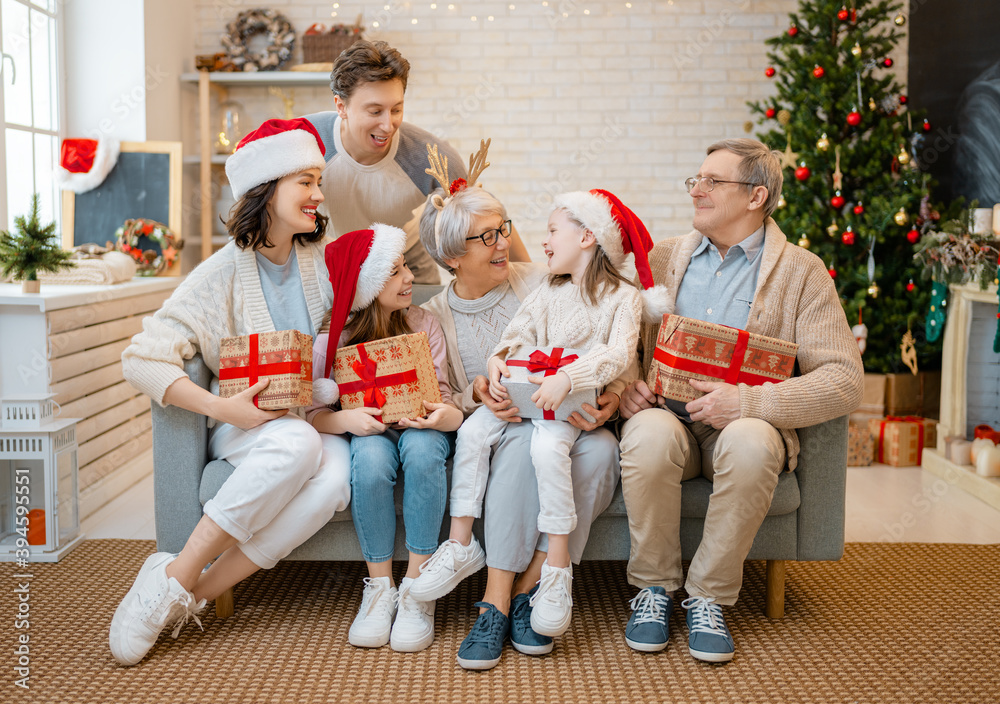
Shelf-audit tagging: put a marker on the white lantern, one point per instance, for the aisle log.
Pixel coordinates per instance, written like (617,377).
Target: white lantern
(39,506)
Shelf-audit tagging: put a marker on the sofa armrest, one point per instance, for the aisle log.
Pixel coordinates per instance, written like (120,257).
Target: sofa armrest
(180,452)
(822,477)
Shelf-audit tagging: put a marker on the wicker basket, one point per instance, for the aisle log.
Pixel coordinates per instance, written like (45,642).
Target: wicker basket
(325,48)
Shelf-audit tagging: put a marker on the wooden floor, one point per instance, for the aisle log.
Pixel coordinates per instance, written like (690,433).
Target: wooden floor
(884,504)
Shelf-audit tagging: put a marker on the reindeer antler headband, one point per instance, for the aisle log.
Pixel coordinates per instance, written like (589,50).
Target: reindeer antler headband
(439,170)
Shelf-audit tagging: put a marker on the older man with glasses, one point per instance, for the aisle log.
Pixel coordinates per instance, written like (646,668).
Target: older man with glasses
(738,269)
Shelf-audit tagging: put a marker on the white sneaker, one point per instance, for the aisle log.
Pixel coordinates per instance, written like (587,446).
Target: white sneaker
(154,602)
(450,564)
(414,627)
(374,620)
(552,604)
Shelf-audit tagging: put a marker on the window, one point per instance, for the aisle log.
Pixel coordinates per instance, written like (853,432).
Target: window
(29,108)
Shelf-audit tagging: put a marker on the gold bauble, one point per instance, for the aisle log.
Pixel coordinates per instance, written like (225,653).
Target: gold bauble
(856,49)
(804,242)
(782,202)
(784,117)
(872,105)
(901,217)
(823,143)
(833,230)
(873,290)
(903,156)
(748,127)
(899,20)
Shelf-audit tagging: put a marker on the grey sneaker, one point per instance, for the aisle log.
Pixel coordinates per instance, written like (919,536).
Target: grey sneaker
(447,567)
(648,627)
(371,627)
(708,637)
(154,602)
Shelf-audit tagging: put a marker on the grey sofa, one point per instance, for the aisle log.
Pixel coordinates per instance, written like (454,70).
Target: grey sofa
(805,521)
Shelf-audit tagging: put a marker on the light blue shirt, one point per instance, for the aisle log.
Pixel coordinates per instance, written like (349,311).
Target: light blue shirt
(719,290)
(282,288)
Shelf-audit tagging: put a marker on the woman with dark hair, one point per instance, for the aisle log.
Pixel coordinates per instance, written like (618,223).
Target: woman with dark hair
(288,479)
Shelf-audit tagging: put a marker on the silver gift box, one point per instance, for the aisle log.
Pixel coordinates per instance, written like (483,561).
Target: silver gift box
(521,390)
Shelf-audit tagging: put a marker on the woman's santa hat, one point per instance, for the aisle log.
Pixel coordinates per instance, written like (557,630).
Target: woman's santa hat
(85,163)
(619,232)
(275,149)
(360,263)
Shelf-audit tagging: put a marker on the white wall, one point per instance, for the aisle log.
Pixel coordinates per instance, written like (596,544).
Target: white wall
(169,51)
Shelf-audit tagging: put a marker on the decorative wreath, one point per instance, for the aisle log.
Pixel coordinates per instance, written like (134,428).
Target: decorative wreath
(129,239)
(281,38)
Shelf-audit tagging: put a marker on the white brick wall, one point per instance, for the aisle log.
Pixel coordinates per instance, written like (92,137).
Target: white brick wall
(609,96)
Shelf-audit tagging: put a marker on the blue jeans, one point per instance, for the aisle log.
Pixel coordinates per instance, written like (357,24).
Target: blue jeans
(375,463)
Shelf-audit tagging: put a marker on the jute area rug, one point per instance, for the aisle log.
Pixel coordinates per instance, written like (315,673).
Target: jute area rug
(887,624)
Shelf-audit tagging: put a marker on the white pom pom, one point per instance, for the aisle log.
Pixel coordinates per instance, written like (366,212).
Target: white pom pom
(655,304)
(325,392)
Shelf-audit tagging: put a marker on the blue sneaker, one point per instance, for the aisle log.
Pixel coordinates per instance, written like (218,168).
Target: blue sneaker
(522,637)
(708,636)
(648,628)
(482,648)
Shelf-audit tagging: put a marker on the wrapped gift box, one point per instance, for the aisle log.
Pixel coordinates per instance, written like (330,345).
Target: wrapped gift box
(284,357)
(913,394)
(545,360)
(873,400)
(395,374)
(860,446)
(900,441)
(693,349)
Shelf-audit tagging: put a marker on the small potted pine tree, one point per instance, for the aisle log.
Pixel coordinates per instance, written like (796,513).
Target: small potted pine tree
(31,250)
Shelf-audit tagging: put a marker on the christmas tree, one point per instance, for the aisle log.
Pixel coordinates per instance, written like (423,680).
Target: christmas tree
(854,193)
(32,249)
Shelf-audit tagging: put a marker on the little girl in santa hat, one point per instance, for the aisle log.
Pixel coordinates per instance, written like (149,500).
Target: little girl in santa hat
(373,285)
(288,479)
(587,304)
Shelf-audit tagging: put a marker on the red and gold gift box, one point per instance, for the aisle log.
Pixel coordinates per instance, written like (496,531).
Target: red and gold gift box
(284,357)
(899,441)
(395,374)
(860,447)
(693,349)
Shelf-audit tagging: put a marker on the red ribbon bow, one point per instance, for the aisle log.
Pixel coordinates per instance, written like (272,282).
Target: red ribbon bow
(367,369)
(548,364)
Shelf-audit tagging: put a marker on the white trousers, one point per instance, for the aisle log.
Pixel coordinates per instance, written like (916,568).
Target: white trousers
(288,482)
(551,443)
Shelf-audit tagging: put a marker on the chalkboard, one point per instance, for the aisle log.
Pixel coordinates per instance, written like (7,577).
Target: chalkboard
(145,183)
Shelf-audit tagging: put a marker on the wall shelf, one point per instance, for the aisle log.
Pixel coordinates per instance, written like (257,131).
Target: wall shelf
(261,78)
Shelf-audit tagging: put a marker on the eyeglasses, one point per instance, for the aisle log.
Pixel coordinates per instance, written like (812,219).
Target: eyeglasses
(489,237)
(708,183)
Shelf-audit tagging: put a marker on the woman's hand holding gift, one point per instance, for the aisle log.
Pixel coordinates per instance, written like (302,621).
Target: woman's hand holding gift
(504,410)
(607,404)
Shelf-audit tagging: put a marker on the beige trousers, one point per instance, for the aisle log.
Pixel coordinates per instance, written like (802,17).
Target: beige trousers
(658,452)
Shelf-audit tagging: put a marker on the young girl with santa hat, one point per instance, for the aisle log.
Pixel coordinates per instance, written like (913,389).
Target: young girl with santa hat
(288,479)
(587,304)
(373,285)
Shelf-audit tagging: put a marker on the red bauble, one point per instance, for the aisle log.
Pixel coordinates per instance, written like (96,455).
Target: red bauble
(769,71)
(793,30)
(912,236)
(770,113)
(902,100)
(847,237)
(802,173)
(843,14)
(854,118)
(887,63)
(927,125)
(837,201)
(833,273)
(858,209)
(819,71)
(910,286)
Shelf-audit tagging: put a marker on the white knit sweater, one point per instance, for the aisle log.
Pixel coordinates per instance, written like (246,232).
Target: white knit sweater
(221,298)
(560,316)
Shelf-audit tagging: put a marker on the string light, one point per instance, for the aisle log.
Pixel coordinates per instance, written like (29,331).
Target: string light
(474,18)
(333,14)
(586,12)
(375,25)
(434,6)
(490,18)
(413,21)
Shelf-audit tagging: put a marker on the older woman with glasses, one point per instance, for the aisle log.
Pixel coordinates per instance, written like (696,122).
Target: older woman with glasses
(469,236)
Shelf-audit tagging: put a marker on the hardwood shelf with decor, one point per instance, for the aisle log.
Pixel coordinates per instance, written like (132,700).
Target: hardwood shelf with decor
(205,158)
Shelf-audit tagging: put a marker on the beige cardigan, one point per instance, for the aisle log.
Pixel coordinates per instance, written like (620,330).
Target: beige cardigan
(796,301)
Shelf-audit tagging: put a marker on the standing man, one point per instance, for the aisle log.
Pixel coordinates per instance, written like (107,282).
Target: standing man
(374,161)
(738,269)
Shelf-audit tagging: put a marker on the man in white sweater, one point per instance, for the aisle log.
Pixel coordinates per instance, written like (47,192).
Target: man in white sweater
(738,269)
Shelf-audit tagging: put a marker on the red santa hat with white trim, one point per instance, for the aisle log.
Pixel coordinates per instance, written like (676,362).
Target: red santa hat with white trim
(360,264)
(619,232)
(275,149)
(85,163)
